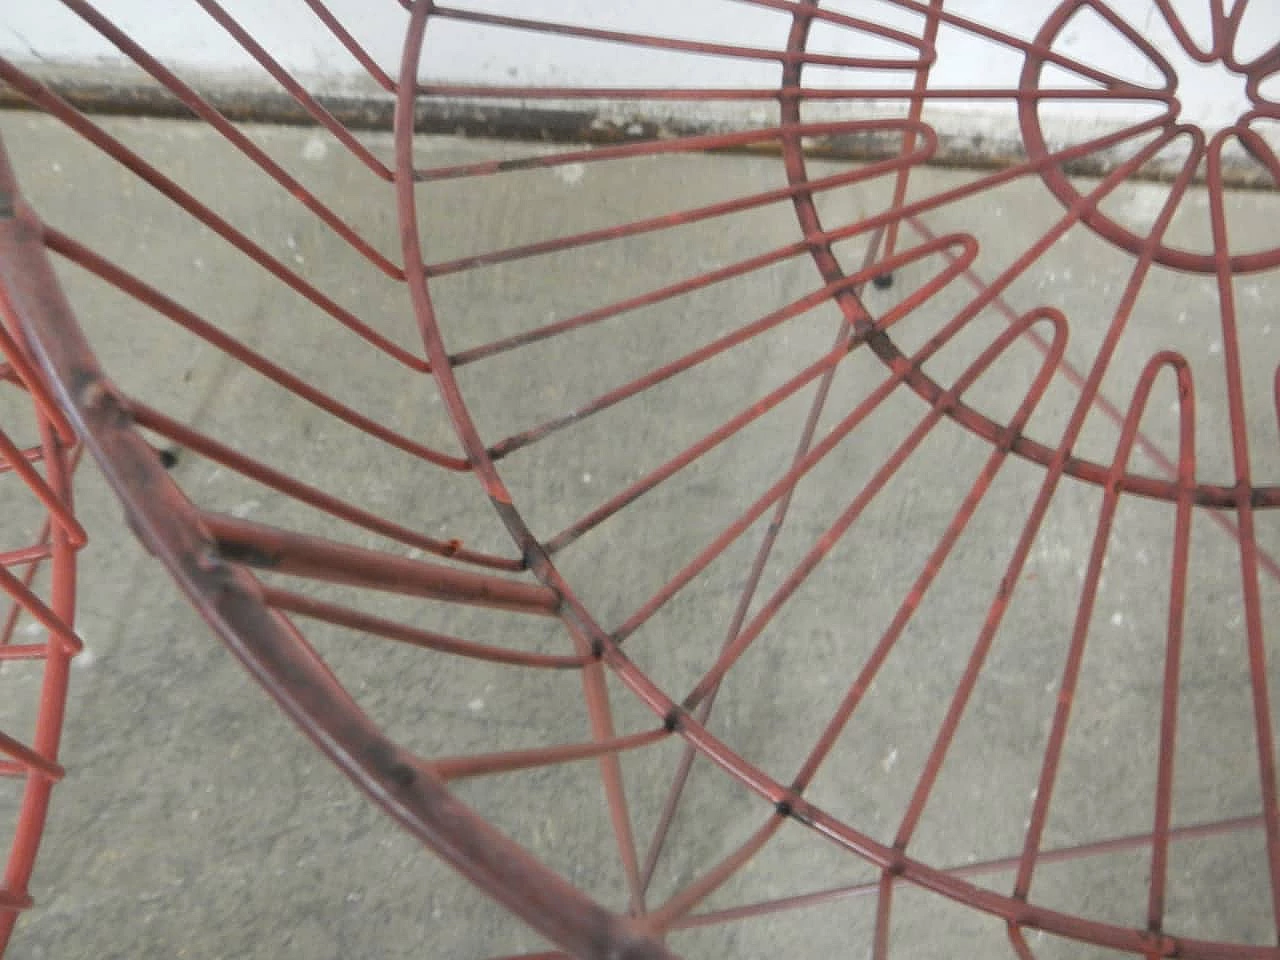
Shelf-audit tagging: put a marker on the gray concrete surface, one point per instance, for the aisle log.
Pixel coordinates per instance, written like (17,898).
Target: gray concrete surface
(197,823)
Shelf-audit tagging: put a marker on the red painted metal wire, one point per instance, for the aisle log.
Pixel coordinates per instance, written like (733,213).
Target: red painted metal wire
(29,755)
(229,566)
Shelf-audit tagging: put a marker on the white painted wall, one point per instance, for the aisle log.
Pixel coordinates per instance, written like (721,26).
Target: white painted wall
(180,33)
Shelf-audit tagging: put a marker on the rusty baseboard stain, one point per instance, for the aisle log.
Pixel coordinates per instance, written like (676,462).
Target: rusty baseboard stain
(514,121)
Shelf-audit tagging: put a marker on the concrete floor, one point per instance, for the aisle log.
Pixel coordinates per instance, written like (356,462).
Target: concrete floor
(195,822)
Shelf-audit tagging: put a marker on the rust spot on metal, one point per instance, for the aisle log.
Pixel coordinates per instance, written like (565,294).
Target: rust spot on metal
(250,555)
(402,775)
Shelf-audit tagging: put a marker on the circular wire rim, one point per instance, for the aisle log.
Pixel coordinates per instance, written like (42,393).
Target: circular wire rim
(230,599)
(1059,184)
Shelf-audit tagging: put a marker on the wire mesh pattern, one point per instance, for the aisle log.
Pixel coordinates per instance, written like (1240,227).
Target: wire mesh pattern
(37,639)
(924,367)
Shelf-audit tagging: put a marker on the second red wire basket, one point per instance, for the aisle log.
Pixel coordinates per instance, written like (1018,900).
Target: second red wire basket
(38,455)
(898,540)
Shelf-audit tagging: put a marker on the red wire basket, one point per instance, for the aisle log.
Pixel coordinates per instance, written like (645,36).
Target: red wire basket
(885,534)
(38,454)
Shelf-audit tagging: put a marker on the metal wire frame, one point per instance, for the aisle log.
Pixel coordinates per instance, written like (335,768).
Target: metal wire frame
(210,554)
(45,470)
